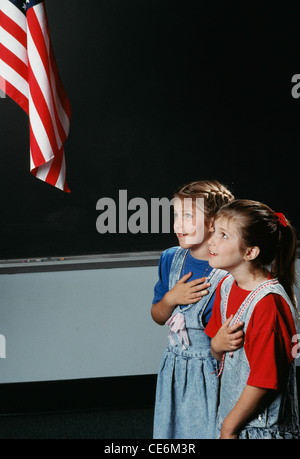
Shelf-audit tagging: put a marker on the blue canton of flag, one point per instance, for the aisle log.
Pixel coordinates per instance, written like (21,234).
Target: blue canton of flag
(24,5)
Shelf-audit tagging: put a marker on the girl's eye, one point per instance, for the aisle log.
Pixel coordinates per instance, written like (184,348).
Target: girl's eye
(224,236)
(187,215)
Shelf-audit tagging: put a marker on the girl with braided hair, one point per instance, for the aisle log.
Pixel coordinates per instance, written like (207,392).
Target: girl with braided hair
(187,389)
(258,394)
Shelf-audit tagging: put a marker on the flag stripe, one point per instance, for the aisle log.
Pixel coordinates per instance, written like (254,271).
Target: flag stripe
(31,78)
(10,10)
(11,43)
(12,77)
(14,29)
(41,107)
(16,95)
(40,86)
(14,62)
(54,172)
(36,155)
(42,43)
(39,131)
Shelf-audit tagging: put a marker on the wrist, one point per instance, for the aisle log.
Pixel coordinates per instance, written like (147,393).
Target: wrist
(170,300)
(229,429)
(216,350)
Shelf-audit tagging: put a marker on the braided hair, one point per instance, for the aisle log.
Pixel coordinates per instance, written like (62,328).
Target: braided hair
(214,193)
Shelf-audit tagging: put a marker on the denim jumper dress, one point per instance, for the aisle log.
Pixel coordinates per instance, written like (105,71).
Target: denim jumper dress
(187,387)
(280,419)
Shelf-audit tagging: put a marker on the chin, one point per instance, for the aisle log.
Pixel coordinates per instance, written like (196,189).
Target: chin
(212,262)
(184,245)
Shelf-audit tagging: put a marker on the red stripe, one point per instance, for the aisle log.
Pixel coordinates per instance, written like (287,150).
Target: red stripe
(42,108)
(14,62)
(17,96)
(13,29)
(39,41)
(36,153)
(66,188)
(59,86)
(54,171)
(38,38)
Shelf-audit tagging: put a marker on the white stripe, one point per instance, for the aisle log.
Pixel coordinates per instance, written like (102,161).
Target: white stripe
(59,108)
(14,13)
(32,165)
(40,14)
(43,171)
(62,174)
(40,74)
(13,45)
(39,131)
(14,78)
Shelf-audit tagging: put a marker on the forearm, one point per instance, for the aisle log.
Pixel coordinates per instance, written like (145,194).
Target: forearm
(248,405)
(162,310)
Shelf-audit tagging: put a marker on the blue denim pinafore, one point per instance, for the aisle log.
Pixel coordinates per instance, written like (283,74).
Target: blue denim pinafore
(281,418)
(187,386)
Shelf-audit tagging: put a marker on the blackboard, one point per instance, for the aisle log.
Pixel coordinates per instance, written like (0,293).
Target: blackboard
(162,93)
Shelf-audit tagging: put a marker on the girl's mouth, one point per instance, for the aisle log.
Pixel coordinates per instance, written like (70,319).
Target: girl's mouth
(212,254)
(180,235)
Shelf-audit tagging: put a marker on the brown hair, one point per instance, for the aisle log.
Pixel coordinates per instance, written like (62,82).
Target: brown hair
(259,226)
(215,194)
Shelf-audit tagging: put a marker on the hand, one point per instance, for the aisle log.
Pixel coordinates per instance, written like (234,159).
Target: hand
(228,338)
(188,292)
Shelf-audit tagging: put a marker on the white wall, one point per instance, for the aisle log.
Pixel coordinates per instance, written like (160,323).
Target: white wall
(80,324)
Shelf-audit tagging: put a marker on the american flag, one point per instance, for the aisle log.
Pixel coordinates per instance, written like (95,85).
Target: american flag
(30,77)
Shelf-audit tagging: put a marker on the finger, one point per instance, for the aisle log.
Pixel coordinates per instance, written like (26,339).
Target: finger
(235,336)
(227,322)
(194,299)
(235,327)
(199,288)
(185,278)
(236,344)
(237,341)
(198,281)
(239,334)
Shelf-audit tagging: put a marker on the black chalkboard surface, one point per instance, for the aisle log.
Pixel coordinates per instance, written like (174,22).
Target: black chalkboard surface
(162,93)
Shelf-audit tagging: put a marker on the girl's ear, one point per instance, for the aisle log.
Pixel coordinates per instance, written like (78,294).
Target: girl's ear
(251,253)
(211,224)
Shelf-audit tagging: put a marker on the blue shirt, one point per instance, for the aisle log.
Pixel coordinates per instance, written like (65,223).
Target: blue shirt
(199,268)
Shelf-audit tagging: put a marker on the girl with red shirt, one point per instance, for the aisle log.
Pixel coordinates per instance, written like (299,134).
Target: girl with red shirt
(257,308)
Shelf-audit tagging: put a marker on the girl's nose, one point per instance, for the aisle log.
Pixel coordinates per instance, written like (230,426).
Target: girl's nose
(178,225)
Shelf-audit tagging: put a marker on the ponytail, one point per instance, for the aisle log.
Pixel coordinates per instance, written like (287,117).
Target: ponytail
(284,264)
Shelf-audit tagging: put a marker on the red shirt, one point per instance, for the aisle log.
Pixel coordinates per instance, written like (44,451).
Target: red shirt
(268,340)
